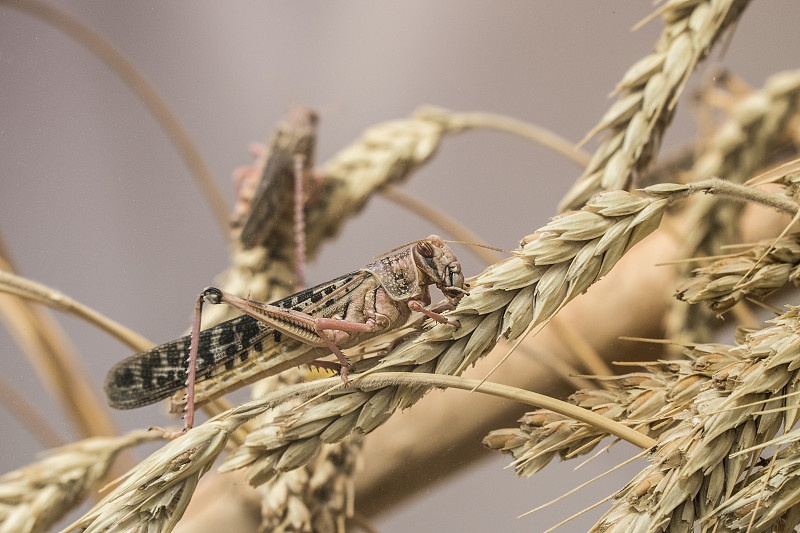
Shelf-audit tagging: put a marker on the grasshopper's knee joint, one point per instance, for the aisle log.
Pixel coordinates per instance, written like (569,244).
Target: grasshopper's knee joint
(212,295)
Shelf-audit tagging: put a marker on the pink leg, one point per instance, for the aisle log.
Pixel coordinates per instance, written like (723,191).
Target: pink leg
(274,316)
(299,225)
(414,305)
(321,324)
(188,408)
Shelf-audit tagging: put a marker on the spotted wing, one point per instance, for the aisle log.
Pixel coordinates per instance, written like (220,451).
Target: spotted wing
(147,377)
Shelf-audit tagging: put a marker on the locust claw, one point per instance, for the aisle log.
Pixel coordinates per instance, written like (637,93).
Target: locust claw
(455,323)
(343,373)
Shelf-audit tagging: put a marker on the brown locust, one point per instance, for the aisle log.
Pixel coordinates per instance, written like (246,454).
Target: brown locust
(295,330)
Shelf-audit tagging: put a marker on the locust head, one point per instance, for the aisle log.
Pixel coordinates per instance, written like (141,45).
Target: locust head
(433,257)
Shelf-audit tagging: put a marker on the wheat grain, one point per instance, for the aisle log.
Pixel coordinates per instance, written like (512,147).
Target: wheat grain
(314,497)
(756,273)
(767,502)
(651,402)
(155,493)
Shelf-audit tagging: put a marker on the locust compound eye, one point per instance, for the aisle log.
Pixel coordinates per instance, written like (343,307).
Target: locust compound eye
(425,249)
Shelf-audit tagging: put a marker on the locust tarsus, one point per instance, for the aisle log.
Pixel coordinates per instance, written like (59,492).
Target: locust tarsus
(332,316)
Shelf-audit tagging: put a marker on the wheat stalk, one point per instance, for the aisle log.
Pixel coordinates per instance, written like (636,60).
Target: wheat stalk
(510,299)
(384,154)
(349,179)
(53,357)
(552,266)
(643,400)
(36,292)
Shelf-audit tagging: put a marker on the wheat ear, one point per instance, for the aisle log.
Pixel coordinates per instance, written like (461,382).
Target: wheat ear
(756,124)
(693,469)
(38,495)
(648,93)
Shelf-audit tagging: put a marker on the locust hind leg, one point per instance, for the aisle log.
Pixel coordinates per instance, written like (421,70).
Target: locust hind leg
(321,324)
(326,365)
(299,224)
(296,324)
(191,371)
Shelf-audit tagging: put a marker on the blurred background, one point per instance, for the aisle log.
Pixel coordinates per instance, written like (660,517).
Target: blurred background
(96,202)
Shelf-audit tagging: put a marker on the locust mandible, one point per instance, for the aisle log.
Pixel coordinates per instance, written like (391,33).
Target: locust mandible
(298,329)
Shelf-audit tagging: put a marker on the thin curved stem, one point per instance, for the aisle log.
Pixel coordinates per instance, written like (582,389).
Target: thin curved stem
(529,131)
(720,187)
(382,379)
(146,92)
(55,361)
(30,290)
(444,221)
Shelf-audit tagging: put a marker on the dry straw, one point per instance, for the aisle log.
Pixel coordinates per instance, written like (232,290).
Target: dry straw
(551,267)
(554,265)
(259,270)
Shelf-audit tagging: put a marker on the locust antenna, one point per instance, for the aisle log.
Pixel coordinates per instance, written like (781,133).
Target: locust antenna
(476,244)
(479,245)
(398,248)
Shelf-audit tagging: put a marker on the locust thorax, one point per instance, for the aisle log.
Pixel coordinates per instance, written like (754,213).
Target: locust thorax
(438,262)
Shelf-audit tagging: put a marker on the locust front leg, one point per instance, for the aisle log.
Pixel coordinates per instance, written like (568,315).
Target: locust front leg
(421,306)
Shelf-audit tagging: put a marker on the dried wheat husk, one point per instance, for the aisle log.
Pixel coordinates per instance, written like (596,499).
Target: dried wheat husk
(652,402)
(756,273)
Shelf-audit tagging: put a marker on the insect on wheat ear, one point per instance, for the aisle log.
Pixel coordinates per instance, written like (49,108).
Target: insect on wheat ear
(332,316)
